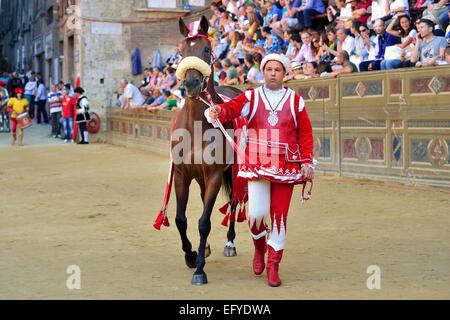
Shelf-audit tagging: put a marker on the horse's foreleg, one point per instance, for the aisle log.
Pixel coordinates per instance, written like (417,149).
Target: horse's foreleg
(230,248)
(213,184)
(182,194)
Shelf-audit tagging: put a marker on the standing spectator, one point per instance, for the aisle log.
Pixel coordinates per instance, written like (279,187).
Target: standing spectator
(14,83)
(82,114)
(69,106)
(30,95)
(408,36)
(41,99)
(308,10)
(382,40)
(5,125)
(429,48)
(54,100)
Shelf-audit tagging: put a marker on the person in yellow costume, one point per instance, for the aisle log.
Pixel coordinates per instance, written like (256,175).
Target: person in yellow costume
(17,105)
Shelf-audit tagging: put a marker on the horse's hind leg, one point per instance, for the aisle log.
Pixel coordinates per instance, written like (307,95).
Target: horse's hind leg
(213,184)
(182,194)
(230,248)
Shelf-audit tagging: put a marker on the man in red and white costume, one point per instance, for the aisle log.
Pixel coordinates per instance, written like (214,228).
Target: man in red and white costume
(279,137)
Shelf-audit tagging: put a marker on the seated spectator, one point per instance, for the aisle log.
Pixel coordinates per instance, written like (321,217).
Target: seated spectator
(447,55)
(316,47)
(296,72)
(232,77)
(400,26)
(306,53)
(328,44)
(219,73)
(170,102)
(310,70)
(146,80)
(345,42)
(274,14)
(343,59)
(382,40)
(399,7)
(429,48)
(176,57)
(132,97)
(308,10)
(169,79)
(254,74)
(158,99)
(290,20)
(359,54)
(271,43)
(360,11)
(345,14)
(380,10)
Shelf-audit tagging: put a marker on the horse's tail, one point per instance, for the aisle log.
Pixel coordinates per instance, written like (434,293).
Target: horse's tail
(227,182)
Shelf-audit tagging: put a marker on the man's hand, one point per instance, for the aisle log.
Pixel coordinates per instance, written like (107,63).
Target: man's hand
(307,173)
(214,112)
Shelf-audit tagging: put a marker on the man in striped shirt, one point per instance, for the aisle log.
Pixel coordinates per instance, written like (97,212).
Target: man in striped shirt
(54,100)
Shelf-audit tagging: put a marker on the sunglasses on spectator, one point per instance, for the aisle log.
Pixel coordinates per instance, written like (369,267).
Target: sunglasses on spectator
(362,30)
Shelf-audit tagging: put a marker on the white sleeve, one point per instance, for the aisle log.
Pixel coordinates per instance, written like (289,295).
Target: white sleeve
(246,109)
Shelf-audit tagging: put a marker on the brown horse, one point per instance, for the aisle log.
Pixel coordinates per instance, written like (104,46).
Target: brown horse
(210,177)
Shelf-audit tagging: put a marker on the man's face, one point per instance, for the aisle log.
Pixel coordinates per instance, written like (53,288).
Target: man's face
(306,38)
(378,27)
(424,29)
(274,74)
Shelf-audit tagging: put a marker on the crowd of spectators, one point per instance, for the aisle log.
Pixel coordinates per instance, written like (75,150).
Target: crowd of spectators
(321,38)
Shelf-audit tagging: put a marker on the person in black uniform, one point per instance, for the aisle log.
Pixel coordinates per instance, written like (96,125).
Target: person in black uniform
(82,115)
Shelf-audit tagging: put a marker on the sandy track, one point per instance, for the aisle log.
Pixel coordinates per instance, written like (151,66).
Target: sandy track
(93,206)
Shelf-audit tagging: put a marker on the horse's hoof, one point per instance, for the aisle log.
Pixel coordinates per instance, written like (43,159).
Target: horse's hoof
(229,251)
(207,251)
(199,279)
(191,259)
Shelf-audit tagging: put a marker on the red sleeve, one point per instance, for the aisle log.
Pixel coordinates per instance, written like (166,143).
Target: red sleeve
(304,133)
(233,108)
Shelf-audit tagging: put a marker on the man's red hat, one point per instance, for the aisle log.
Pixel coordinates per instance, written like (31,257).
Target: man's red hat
(18,90)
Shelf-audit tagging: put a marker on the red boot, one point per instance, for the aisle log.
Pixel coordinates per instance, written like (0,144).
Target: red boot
(273,261)
(258,258)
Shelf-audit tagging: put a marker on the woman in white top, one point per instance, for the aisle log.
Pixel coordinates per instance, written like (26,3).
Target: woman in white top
(402,51)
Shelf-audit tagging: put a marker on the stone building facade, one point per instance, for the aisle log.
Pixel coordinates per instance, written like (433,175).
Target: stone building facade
(28,36)
(91,42)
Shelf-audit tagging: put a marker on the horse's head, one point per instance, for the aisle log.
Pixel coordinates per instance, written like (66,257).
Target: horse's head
(196,44)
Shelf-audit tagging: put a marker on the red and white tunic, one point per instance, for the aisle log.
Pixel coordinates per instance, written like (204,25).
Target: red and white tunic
(278,129)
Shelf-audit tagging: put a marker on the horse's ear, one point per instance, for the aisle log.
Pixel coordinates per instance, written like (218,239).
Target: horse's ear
(204,26)
(183,29)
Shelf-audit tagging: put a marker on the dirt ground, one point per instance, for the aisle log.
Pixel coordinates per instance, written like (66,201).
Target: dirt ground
(93,206)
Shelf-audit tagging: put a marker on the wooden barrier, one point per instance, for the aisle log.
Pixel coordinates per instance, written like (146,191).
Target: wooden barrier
(380,125)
